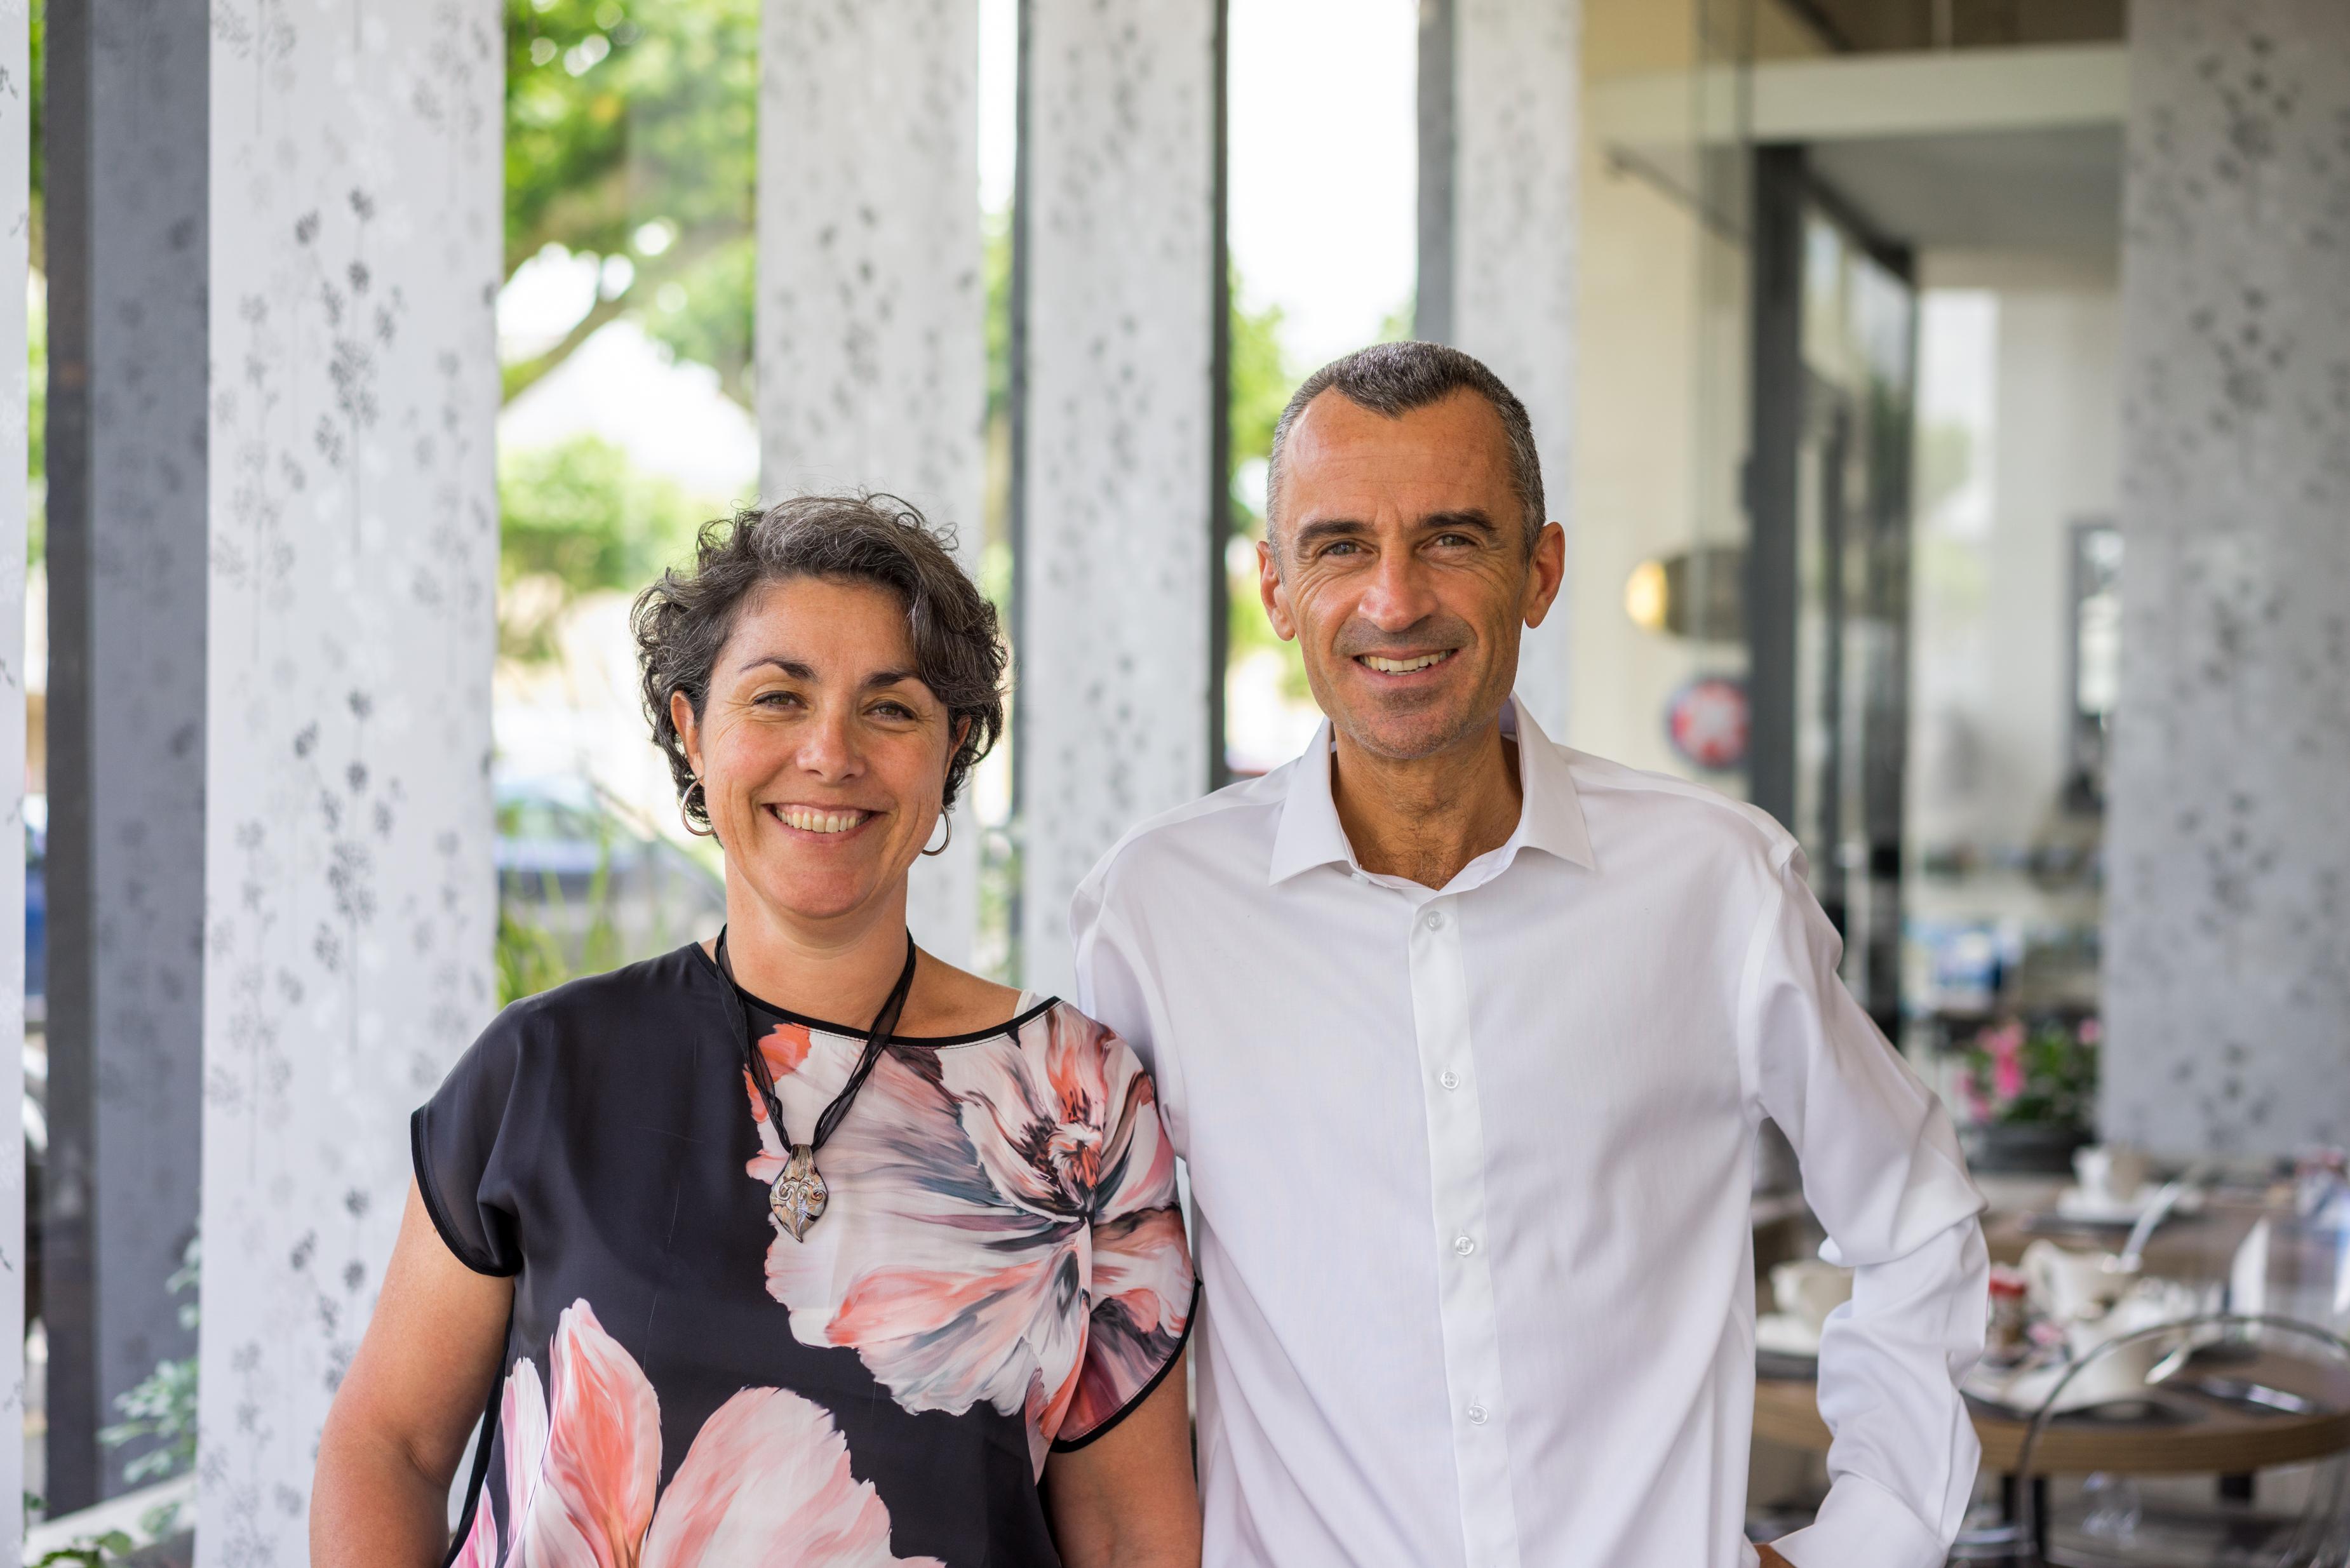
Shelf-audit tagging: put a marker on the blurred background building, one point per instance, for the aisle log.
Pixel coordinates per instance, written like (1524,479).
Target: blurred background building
(1947,402)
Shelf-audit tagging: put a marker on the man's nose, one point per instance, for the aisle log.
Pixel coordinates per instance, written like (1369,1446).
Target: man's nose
(1398,595)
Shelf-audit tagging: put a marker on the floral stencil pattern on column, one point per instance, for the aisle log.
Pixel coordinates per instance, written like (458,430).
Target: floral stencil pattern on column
(356,233)
(2228,944)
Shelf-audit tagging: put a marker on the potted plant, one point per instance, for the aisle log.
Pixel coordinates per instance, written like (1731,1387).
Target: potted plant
(2031,1093)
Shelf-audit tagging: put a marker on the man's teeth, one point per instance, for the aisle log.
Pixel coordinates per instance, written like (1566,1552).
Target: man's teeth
(1405,666)
(808,819)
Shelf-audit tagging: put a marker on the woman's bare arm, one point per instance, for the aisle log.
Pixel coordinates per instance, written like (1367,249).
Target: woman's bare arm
(1129,1499)
(399,1424)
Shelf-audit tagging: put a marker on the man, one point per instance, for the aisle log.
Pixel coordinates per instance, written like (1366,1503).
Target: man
(1466,1037)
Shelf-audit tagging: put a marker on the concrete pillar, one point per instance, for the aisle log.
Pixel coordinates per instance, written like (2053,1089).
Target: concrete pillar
(127,189)
(1499,86)
(1118,489)
(2227,848)
(355,249)
(871,326)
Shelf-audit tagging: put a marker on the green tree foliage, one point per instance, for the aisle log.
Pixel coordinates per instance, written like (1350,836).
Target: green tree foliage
(576,518)
(632,131)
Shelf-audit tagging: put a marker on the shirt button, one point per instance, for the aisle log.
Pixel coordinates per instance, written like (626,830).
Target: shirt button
(1464,1245)
(1435,919)
(1449,1079)
(1476,1415)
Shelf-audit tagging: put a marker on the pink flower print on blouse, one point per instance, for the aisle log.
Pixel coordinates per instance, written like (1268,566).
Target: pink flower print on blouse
(766,1484)
(1003,1227)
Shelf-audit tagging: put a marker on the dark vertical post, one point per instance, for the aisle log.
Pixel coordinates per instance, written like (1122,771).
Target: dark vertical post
(127,139)
(1432,296)
(1776,427)
(1220,403)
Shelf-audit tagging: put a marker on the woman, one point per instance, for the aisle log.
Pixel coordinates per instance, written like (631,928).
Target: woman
(732,1283)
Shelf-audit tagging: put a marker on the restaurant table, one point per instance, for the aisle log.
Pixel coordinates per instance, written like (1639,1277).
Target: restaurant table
(2205,1435)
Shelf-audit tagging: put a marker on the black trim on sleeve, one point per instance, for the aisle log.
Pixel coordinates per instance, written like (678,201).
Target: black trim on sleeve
(1174,1357)
(458,1246)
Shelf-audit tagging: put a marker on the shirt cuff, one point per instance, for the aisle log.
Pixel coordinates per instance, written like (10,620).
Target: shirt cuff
(1862,1525)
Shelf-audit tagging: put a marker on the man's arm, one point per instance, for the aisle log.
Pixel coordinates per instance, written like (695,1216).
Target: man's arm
(1882,1170)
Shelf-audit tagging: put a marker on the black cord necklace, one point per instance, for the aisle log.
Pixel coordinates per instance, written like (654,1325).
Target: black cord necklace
(798,1197)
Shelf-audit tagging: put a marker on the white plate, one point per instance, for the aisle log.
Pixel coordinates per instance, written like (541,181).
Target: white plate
(1781,1335)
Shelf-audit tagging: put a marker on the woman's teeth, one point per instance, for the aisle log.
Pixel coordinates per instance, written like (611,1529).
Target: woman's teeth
(1405,666)
(809,819)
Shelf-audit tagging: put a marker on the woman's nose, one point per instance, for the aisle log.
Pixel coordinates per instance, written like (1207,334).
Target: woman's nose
(828,747)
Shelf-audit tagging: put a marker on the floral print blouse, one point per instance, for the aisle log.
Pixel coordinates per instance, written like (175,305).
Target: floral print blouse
(1001,1272)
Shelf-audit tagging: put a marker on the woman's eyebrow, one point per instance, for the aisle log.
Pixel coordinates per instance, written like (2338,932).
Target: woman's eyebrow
(791,667)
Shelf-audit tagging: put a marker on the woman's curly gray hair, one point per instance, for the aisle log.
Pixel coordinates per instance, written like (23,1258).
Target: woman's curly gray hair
(683,621)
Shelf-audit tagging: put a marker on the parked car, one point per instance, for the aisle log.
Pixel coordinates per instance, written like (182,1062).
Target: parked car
(585,885)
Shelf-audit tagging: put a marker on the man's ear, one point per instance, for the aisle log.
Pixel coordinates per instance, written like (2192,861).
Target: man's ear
(1545,572)
(689,730)
(1269,589)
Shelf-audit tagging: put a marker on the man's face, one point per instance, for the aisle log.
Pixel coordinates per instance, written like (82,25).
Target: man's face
(1400,566)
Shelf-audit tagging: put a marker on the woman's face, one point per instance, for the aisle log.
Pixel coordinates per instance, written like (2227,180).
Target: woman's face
(821,753)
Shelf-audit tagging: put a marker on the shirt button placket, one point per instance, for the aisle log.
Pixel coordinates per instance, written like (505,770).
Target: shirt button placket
(1456,1161)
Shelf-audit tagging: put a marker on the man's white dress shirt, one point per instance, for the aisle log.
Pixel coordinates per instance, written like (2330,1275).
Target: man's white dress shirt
(1471,1170)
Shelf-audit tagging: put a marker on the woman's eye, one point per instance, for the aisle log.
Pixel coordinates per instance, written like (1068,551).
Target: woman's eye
(776,699)
(894,710)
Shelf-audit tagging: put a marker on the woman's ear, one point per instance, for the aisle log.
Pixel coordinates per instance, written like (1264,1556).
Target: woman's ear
(689,730)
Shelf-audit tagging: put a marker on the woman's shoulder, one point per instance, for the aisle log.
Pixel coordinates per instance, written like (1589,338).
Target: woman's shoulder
(616,1007)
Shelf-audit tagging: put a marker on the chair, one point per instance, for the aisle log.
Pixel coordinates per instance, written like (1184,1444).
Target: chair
(2212,1375)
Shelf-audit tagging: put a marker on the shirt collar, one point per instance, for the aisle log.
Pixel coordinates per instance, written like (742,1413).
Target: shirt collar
(1549,819)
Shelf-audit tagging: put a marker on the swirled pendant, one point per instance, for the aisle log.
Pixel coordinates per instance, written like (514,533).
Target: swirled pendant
(796,1201)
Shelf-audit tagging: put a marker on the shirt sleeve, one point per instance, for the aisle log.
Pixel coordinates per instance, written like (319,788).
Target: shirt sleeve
(1114,985)
(1144,1292)
(463,1141)
(1881,1168)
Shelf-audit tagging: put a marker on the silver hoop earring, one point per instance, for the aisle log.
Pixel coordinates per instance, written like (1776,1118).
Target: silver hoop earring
(941,849)
(685,811)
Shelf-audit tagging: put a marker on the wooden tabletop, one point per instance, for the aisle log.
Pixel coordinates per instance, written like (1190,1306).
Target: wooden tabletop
(2211,1436)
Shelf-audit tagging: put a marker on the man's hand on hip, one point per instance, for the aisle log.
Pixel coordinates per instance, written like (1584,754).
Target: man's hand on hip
(1772,1558)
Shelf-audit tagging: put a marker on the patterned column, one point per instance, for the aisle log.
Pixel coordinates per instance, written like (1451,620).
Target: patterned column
(125,199)
(1116,477)
(2227,914)
(1499,120)
(872,348)
(356,233)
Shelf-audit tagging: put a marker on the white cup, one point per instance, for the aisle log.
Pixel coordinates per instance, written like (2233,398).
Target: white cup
(2109,1173)
(1809,1289)
(2068,1285)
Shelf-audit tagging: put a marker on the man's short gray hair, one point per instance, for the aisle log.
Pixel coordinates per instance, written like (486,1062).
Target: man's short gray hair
(1392,380)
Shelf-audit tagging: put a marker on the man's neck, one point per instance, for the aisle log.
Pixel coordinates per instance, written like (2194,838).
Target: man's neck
(1426,817)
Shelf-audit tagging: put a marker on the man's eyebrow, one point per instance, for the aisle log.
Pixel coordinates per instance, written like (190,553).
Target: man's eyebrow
(1436,522)
(1326,528)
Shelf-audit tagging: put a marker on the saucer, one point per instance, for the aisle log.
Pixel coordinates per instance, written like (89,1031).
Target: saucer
(2103,1209)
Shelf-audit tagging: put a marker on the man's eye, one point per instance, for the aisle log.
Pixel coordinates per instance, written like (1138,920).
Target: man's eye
(1340,547)
(1454,539)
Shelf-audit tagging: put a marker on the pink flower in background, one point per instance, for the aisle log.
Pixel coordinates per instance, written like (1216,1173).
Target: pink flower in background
(1003,1227)
(766,1484)
(2092,1031)
(2006,1076)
